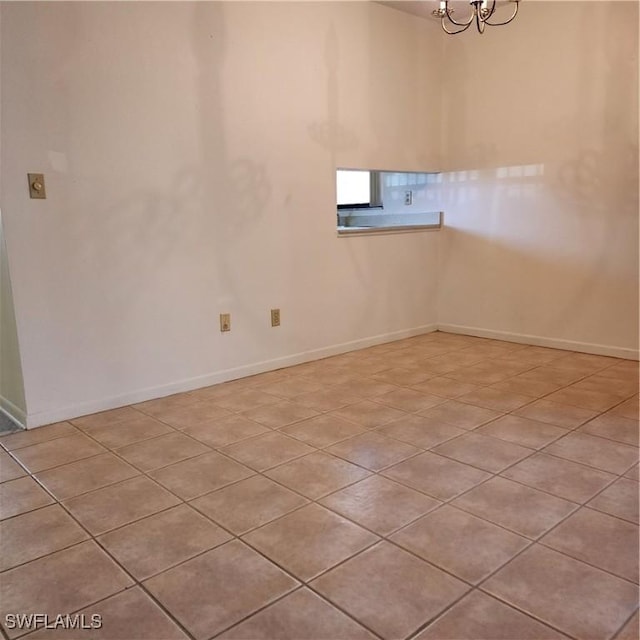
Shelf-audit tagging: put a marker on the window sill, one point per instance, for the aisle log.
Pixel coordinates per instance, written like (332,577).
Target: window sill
(367,229)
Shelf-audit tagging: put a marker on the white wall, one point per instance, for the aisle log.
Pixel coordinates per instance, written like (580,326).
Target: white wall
(542,234)
(189,152)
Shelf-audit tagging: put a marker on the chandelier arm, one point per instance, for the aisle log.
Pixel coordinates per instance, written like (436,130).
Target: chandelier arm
(491,11)
(480,23)
(458,24)
(453,33)
(513,15)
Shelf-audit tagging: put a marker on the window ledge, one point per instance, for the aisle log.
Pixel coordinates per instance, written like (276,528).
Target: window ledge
(386,225)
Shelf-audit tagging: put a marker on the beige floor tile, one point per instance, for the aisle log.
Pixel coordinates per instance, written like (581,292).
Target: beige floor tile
(420,431)
(460,543)
(389,590)
(161,405)
(409,400)
(633,473)
(54,453)
(309,541)
(327,399)
(28,437)
(587,399)
(21,495)
(631,630)
(598,539)
(163,540)
(191,415)
(269,450)
(561,415)
(369,414)
(594,604)
(288,389)
(480,617)
(563,478)
(222,390)
(551,374)
(225,431)
(63,582)
(105,418)
(449,362)
(436,475)
(600,453)
(373,450)
(483,373)
(317,474)
(620,499)
(489,349)
(445,387)
(219,588)
(622,369)
(129,431)
(525,386)
(9,468)
(367,387)
(324,430)
(627,409)
(162,451)
(583,362)
(524,510)
(522,431)
(622,389)
(119,504)
(85,475)
(461,415)
(369,366)
(280,414)
(331,375)
(402,376)
(35,534)
(484,452)
(379,504)
(302,614)
(128,615)
(195,477)
(534,355)
(248,504)
(614,428)
(574,363)
(495,399)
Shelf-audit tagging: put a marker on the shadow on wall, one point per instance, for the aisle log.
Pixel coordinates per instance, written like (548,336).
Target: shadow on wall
(330,134)
(183,224)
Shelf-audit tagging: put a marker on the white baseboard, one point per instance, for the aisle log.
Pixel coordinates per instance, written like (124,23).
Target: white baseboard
(86,408)
(14,413)
(554,343)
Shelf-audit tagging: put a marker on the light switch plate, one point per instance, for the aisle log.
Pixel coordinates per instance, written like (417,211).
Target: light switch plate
(36,186)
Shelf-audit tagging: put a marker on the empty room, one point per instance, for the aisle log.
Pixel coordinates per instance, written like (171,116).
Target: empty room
(319,320)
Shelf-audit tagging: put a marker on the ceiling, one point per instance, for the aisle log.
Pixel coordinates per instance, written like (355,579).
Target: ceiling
(422,8)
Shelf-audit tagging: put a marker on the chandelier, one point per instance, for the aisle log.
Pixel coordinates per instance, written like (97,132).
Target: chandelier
(482,12)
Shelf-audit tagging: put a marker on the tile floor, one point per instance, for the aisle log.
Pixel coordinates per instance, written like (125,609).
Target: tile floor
(441,487)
